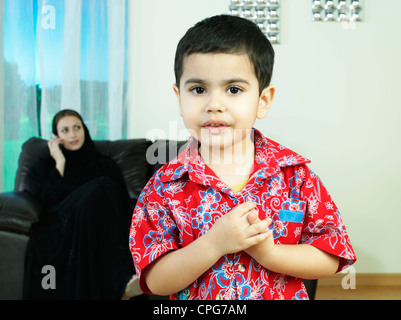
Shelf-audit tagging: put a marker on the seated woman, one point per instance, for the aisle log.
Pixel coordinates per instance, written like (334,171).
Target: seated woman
(84,230)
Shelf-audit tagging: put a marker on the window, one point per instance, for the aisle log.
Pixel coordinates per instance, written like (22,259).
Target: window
(62,54)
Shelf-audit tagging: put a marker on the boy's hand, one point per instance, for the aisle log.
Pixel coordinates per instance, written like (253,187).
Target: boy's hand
(233,232)
(263,247)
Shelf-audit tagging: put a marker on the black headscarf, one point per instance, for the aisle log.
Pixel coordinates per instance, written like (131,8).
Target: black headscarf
(81,165)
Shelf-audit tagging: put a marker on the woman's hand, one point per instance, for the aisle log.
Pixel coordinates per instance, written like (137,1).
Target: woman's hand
(57,154)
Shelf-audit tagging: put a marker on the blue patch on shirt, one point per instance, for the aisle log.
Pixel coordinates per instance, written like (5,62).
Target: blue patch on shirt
(291,216)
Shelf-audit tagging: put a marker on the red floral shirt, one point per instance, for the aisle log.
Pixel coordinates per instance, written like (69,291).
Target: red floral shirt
(184,198)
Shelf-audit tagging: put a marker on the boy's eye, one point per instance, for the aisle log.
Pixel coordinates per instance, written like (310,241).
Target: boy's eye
(234,90)
(198,90)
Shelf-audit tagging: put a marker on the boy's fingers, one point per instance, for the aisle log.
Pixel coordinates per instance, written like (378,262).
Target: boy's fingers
(253,217)
(262,226)
(245,207)
(264,235)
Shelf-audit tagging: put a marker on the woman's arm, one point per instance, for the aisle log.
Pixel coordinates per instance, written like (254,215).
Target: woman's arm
(57,154)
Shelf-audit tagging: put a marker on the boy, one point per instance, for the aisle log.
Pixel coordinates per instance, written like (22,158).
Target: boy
(235,215)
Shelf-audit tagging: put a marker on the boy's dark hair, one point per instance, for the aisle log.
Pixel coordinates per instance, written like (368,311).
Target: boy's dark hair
(228,34)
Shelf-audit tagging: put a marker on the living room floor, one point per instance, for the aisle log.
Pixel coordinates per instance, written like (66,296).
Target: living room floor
(363,293)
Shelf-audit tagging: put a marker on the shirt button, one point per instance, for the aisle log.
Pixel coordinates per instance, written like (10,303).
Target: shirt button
(241,267)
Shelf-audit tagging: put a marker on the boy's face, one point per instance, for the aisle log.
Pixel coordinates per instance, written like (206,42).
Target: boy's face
(219,98)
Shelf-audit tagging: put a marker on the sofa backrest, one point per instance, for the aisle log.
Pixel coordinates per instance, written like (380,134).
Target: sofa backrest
(137,159)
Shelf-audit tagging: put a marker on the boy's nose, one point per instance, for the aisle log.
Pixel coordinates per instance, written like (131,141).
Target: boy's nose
(215,104)
(214,108)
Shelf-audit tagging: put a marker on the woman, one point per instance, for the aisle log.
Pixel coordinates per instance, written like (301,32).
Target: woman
(83,232)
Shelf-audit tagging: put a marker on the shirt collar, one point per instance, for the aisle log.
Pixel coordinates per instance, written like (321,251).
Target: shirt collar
(270,156)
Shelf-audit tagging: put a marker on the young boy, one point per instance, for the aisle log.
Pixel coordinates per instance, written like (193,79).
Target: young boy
(235,215)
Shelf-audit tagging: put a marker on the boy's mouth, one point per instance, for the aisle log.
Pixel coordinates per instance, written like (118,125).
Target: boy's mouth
(215,126)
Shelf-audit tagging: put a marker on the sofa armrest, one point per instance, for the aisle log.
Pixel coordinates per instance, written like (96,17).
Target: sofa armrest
(18,212)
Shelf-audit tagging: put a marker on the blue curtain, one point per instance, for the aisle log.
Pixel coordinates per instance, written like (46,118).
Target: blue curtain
(20,104)
(61,54)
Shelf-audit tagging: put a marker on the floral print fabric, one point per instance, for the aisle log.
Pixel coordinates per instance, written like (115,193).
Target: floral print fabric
(184,199)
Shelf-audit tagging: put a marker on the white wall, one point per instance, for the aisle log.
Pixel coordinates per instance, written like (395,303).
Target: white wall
(156,27)
(337,103)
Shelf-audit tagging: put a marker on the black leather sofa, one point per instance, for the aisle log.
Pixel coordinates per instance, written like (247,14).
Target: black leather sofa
(137,159)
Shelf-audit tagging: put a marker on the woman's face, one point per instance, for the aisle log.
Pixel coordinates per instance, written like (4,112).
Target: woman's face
(71,131)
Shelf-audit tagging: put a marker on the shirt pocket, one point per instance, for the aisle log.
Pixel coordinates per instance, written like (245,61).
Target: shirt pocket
(291,216)
(288,216)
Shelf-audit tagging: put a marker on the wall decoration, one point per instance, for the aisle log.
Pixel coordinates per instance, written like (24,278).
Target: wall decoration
(337,10)
(265,13)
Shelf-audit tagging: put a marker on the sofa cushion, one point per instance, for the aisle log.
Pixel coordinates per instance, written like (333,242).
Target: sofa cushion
(130,156)
(12,255)
(32,151)
(18,211)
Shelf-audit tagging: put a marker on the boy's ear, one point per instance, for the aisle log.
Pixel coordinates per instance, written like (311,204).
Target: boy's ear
(265,101)
(177,93)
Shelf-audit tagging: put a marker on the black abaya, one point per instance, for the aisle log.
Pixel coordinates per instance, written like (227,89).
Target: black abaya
(83,232)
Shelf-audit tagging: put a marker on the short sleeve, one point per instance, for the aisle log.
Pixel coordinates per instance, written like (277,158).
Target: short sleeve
(153,230)
(323,226)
